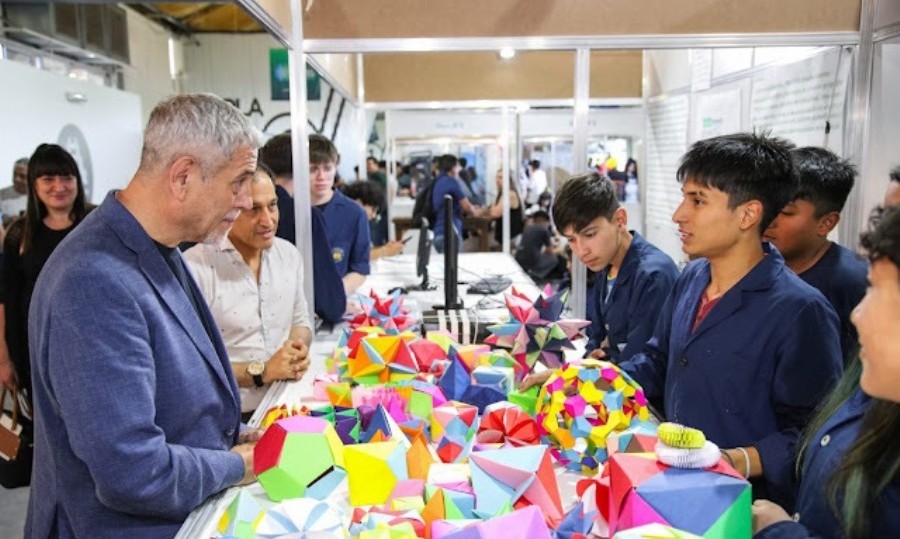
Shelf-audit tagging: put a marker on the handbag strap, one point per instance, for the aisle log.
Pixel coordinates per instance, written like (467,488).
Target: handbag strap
(15,410)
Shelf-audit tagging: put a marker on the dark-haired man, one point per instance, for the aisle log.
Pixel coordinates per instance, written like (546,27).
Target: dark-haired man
(801,234)
(447,183)
(14,198)
(633,276)
(277,155)
(743,349)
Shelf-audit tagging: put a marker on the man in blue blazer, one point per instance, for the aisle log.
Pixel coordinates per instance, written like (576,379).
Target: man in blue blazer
(137,415)
(743,349)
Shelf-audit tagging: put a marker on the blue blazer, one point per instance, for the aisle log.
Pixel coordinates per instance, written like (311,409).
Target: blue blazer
(755,369)
(136,405)
(827,450)
(629,314)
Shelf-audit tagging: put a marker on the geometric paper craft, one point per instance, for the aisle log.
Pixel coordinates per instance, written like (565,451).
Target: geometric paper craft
(655,531)
(676,435)
(385,312)
(453,428)
(525,523)
(242,516)
(381,359)
(345,421)
(580,405)
(535,331)
(302,518)
(373,471)
(576,524)
(294,453)
(502,377)
(527,400)
(482,396)
(713,502)
(456,379)
(505,422)
(517,476)
(640,437)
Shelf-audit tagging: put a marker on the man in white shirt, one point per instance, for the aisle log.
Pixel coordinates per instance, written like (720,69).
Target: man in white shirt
(253,283)
(14,199)
(537,184)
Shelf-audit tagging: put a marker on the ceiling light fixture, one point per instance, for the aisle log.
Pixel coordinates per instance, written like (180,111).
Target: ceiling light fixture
(507,52)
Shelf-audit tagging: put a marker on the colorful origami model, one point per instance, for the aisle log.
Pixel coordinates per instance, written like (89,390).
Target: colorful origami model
(453,428)
(429,354)
(378,523)
(345,421)
(580,405)
(419,458)
(242,516)
(381,359)
(535,331)
(504,422)
(525,523)
(457,377)
(518,477)
(296,453)
(424,398)
(501,377)
(713,502)
(655,531)
(640,437)
(373,471)
(384,312)
(527,399)
(275,413)
(302,518)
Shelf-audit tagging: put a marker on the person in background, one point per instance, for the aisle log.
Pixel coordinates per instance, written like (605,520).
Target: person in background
(14,199)
(378,227)
(370,197)
(447,183)
(537,182)
(516,211)
(634,277)
(346,225)
(253,283)
(743,349)
(538,251)
(465,176)
(278,157)
(800,232)
(137,415)
(55,206)
(404,179)
(374,173)
(892,195)
(850,455)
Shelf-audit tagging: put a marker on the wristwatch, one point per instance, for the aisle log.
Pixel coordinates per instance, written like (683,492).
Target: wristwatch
(256,369)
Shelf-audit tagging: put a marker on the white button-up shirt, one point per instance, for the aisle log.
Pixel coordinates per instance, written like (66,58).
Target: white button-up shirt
(254,318)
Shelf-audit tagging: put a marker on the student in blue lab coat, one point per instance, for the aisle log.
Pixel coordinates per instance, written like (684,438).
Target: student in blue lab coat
(347,227)
(743,349)
(850,456)
(801,234)
(633,277)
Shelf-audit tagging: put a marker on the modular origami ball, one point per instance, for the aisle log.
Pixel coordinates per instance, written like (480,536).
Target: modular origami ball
(240,519)
(302,518)
(296,453)
(580,405)
(453,428)
(505,422)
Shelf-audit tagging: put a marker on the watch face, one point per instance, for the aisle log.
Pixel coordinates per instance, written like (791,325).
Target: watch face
(256,368)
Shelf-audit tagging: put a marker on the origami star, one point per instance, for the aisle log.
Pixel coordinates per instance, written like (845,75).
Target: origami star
(535,331)
(384,312)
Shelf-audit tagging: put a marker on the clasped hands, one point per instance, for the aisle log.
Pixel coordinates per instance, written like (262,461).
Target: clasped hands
(290,362)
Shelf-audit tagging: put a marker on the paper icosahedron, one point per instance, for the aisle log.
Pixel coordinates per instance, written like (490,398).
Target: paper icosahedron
(453,428)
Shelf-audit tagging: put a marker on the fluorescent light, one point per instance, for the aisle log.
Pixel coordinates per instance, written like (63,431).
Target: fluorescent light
(507,52)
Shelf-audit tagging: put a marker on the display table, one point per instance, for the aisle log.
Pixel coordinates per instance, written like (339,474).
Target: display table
(386,274)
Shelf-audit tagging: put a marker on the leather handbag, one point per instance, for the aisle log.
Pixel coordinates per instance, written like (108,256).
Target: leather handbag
(16,444)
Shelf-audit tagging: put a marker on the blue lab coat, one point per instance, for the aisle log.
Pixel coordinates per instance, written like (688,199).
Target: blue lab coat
(755,369)
(628,315)
(825,453)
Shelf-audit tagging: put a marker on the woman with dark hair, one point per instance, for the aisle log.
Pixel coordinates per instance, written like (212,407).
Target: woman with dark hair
(850,457)
(55,205)
(516,217)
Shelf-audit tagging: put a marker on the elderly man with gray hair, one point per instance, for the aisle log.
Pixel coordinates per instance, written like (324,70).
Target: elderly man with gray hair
(137,414)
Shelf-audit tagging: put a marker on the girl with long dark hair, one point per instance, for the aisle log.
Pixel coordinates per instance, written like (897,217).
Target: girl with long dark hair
(850,457)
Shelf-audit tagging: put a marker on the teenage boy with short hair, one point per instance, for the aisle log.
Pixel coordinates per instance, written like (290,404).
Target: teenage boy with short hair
(800,232)
(347,226)
(447,183)
(633,277)
(743,349)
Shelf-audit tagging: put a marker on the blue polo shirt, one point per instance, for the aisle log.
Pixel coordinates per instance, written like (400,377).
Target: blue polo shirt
(348,234)
(840,275)
(447,185)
